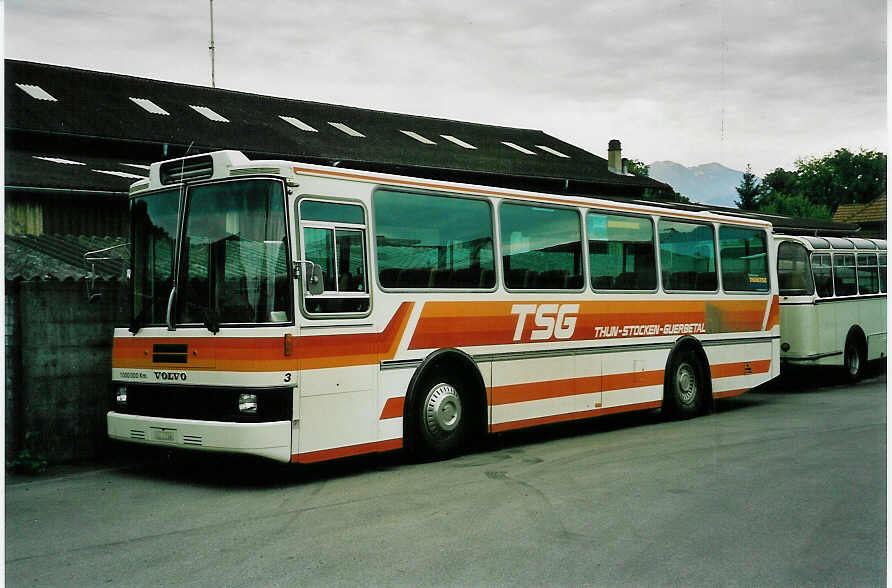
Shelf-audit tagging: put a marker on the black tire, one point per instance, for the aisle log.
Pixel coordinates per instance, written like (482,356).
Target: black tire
(685,386)
(442,416)
(854,360)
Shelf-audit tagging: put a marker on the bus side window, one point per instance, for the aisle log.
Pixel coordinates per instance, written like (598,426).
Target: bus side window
(844,274)
(823,274)
(882,265)
(794,277)
(868,281)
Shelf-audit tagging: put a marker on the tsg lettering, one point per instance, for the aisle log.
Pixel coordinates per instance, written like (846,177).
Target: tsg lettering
(550,320)
(170,376)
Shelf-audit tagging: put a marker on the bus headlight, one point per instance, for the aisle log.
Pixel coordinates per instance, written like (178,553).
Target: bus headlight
(247,403)
(121,396)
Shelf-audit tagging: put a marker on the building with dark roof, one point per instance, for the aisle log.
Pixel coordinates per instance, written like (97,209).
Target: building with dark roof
(76,139)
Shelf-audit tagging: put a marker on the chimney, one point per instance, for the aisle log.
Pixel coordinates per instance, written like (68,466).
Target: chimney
(614,157)
(625,166)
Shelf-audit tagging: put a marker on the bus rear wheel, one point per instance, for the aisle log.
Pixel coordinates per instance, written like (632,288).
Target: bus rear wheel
(685,386)
(441,419)
(853,360)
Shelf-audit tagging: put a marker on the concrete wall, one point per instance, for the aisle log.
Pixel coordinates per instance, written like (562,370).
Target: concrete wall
(58,367)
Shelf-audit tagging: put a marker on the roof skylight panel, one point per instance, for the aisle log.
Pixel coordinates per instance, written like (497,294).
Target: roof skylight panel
(208,113)
(150,106)
(58,160)
(298,123)
(458,141)
(121,174)
(418,137)
(345,129)
(36,92)
(518,147)
(553,151)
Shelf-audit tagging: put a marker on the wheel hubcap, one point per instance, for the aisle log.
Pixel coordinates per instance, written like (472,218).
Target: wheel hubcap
(442,410)
(686,383)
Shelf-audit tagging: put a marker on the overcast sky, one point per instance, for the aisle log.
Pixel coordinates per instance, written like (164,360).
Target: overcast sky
(733,81)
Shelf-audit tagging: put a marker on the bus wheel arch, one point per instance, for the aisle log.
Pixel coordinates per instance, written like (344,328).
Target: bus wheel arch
(445,406)
(687,381)
(855,354)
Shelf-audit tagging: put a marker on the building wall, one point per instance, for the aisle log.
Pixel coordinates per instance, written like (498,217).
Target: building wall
(32,213)
(58,361)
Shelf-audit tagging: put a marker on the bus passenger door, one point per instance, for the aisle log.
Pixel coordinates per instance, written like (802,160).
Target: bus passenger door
(337,400)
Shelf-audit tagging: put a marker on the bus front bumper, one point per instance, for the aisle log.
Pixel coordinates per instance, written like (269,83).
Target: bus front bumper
(270,440)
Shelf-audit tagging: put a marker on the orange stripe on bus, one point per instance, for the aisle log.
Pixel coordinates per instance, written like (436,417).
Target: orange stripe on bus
(773,314)
(739,368)
(267,354)
(338,452)
(730,393)
(393,408)
(569,416)
(467,324)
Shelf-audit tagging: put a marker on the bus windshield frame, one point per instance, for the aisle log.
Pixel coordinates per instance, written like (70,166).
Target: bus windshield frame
(224,260)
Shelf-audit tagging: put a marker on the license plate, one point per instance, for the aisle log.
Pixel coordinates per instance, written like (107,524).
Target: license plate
(163,434)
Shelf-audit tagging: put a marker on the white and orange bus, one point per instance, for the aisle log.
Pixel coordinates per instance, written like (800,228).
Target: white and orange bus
(832,301)
(303,312)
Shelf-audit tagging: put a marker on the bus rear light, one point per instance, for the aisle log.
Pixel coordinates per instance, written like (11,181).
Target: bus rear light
(247,403)
(121,396)
(785,346)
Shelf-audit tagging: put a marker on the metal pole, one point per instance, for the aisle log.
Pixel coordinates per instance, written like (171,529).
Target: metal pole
(211,46)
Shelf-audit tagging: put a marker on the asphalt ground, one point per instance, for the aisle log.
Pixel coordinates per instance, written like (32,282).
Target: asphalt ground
(785,485)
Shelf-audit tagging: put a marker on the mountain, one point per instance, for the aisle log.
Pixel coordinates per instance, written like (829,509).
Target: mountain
(710,183)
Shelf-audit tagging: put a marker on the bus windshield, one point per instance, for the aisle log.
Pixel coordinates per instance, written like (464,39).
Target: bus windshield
(233,266)
(154,230)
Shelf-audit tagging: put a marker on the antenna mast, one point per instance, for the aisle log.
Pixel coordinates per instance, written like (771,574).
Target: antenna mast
(211,46)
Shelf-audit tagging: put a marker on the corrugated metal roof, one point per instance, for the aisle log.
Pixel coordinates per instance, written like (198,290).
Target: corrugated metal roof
(60,257)
(96,105)
(28,169)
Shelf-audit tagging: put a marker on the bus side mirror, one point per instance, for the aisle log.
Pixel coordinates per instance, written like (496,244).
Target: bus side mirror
(315,285)
(313,281)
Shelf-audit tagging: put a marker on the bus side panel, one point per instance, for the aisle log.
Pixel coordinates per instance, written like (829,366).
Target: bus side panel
(873,321)
(338,408)
(738,368)
(800,329)
(393,385)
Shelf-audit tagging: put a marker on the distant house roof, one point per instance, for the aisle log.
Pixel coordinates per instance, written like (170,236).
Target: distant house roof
(87,105)
(871,212)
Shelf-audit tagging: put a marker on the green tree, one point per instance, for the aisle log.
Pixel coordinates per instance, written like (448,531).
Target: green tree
(637,168)
(796,205)
(748,190)
(842,177)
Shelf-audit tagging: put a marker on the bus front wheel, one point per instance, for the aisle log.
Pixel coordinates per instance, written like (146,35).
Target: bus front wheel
(441,417)
(684,389)
(853,360)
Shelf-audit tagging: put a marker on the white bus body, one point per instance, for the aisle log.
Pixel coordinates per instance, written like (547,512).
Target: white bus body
(832,301)
(446,310)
